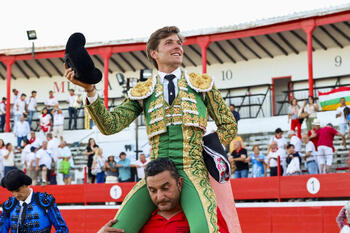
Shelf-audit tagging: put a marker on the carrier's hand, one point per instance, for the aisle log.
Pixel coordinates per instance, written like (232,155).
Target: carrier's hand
(109,229)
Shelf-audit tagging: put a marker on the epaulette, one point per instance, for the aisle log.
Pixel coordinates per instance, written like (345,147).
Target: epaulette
(200,82)
(44,200)
(142,90)
(9,204)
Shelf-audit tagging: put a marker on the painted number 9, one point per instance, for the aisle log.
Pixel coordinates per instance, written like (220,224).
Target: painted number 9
(226,75)
(338,61)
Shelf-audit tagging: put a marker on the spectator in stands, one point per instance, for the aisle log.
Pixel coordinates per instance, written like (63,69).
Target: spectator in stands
(124,168)
(98,166)
(34,140)
(16,95)
(325,146)
(43,163)
(231,146)
(111,170)
(316,126)
(32,107)
(58,122)
(52,146)
(140,165)
(51,102)
(25,153)
(19,107)
(311,108)
(45,121)
(293,115)
(2,114)
(239,156)
(2,153)
(272,158)
(235,113)
(258,162)
(310,155)
(281,141)
(90,152)
(9,158)
(343,122)
(65,154)
(344,215)
(21,130)
(73,101)
(295,140)
(293,161)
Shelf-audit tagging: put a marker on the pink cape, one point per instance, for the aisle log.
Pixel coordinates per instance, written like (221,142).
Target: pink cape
(226,204)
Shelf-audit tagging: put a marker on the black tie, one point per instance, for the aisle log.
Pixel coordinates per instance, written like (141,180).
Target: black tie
(171,87)
(24,212)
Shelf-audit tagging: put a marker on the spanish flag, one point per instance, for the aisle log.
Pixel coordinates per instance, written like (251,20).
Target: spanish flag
(331,100)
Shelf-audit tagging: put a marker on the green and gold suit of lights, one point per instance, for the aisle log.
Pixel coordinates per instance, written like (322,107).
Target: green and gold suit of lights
(174,132)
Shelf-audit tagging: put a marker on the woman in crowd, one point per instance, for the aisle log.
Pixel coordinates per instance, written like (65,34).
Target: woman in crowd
(310,108)
(239,156)
(98,166)
(258,164)
(90,152)
(111,170)
(45,121)
(9,158)
(2,151)
(293,115)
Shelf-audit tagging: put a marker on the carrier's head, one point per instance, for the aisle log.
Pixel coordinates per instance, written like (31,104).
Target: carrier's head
(164,183)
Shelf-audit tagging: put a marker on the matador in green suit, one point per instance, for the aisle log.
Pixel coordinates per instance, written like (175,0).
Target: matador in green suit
(176,106)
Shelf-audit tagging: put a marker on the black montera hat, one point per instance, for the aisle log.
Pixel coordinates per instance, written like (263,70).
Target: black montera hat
(77,58)
(215,158)
(15,179)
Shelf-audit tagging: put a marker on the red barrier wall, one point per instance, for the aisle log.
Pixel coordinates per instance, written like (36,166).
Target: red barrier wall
(318,219)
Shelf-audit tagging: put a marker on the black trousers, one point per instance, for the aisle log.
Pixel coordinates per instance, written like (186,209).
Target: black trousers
(73,115)
(2,122)
(273,171)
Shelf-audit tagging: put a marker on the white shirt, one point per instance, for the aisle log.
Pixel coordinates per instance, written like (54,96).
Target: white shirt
(29,198)
(51,102)
(31,104)
(340,110)
(281,142)
(16,97)
(310,147)
(274,156)
(141,169)
(37,143)
(296,142)
(45,120)
(25,153)
(311,110)
(165,82)
(71,100)
(19,107)
(2,108)
(10,161)
(21,129)
(58,119)
(44,158)
(52,147)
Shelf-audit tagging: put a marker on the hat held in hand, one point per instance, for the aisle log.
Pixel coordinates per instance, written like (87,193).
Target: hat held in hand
(77,58)
(215,158)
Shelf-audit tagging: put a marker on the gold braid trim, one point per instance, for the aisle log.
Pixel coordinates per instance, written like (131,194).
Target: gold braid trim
(142,90)
(200,82)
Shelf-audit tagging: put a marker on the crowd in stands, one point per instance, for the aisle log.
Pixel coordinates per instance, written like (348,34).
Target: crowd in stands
(314,148)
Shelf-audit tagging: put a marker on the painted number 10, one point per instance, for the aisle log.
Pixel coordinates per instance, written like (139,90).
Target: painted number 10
(226,75)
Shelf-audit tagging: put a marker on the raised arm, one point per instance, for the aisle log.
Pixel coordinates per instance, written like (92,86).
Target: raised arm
(220,113)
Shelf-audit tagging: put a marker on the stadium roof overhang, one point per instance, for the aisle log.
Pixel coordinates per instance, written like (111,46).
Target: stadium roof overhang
(283,36)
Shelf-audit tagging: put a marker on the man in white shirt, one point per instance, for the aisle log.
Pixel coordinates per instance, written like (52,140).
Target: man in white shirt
(34,140)
(140,166)
(2,114)
(21,130)
(50,103)
(19,107)
(32,107)
(343,123)
(295,140)
(16,94)
(43,163)
(272,158)
(64,153)
(310,155)
(58,122)
(73,112)
(281,141)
